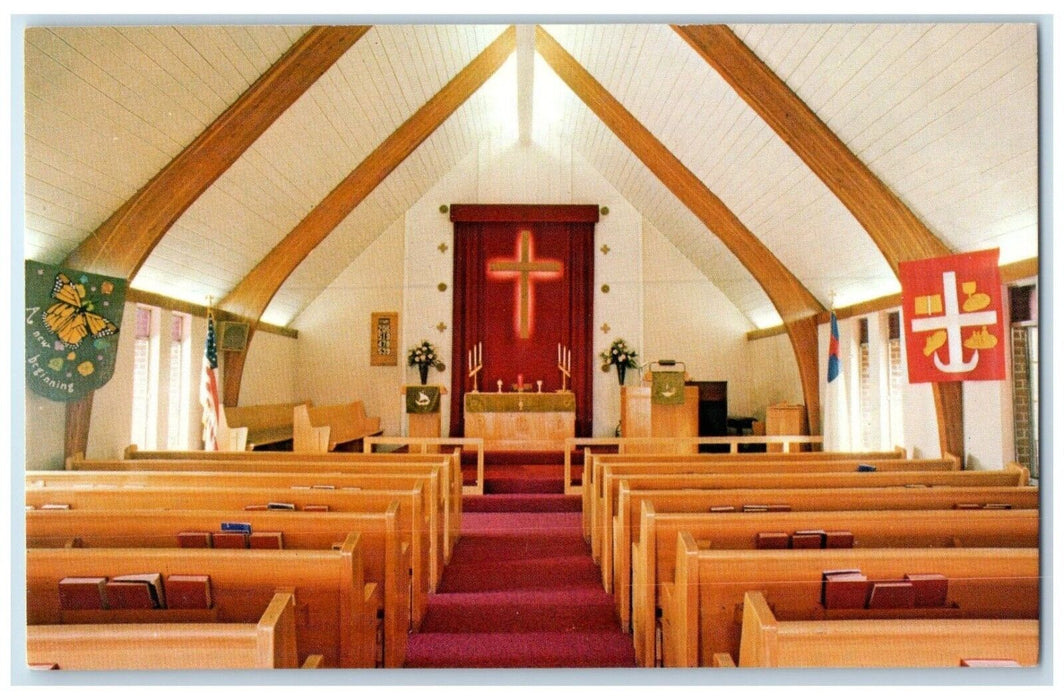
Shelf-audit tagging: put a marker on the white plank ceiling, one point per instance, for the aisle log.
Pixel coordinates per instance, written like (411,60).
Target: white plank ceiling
(945,114)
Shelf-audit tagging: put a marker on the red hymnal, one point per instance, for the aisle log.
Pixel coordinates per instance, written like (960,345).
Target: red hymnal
(188,591)
(230,540)
(838,539)
(773,540)
(892,595)
(265,540)
(930,589)
(257,506)
(193,539)
(846,588)
(807,539)
(136,591)
(83,593)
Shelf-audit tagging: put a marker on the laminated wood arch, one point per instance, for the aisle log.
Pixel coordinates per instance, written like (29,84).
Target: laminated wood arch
(122,243)
(252,295)
(796,305)
(892,226)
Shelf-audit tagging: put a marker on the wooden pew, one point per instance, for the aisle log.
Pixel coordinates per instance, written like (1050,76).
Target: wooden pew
(769,642)
(601,465)
(412,526)
(435,467)
(385,560)
(427,445)
(701,611)
(268,643)
(905,520)
(334,613)
(617,519)
(251,427)
(623,446)
(331,428)
(197,460)
(431,490)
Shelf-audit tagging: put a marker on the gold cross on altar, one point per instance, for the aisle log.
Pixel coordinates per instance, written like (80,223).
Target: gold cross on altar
(525,267)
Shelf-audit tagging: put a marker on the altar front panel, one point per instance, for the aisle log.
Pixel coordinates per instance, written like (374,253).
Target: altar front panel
(521,421)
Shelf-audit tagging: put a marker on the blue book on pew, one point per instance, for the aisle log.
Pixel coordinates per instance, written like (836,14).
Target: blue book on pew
(237,527)
(865,468)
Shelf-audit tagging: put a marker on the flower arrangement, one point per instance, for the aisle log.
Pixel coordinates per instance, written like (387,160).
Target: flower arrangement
(619,354)
(424,355)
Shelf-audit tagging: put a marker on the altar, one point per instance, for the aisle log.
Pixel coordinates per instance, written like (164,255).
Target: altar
(521,420)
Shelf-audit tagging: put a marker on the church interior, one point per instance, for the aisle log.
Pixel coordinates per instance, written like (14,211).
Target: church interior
(595,345)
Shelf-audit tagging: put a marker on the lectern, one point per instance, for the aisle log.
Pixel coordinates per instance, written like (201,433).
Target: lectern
(423,411)
(665,408)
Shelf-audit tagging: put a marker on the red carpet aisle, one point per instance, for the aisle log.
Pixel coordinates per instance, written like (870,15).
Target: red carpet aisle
(521,589)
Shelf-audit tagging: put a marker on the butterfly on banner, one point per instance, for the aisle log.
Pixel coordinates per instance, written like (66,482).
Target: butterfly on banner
(72,317)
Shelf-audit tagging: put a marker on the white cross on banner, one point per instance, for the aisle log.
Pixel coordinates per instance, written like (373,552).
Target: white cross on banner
(954,318)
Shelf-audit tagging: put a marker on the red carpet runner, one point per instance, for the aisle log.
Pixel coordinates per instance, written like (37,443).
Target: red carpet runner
(521,589)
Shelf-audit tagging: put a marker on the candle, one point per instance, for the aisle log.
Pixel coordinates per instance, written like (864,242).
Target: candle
(559,353)
(470,355)
(480,354)
(568,359)
(520,382)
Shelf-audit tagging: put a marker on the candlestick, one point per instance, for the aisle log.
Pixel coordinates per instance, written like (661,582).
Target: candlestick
(499,385)
(539,386)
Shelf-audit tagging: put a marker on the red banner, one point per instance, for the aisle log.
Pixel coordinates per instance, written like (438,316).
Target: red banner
(954,318)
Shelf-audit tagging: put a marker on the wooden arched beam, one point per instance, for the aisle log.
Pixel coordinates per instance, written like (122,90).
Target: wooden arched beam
(121,244)
(252,295)
(896,231)
(796,305)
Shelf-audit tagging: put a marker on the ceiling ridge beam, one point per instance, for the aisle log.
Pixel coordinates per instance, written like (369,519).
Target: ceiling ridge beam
(893,227)
(253,293)
(124,241)
(796,305)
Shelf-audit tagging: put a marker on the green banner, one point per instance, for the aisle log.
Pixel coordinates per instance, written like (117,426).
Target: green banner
(516,402)
(72,323)
(667,388)
(423,399)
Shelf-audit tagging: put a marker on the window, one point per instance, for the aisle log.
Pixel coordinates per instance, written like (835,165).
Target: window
(1023,307)
(178,395)
(145,378)
(882,376)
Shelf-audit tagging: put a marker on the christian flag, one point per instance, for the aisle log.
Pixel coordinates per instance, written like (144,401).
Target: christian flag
(833,349)
(954,319)
(209,389)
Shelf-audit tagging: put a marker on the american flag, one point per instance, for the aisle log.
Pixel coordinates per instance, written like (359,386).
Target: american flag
(209,389)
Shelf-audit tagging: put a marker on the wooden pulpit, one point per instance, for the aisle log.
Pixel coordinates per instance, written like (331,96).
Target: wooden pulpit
(424,420)
(643,417)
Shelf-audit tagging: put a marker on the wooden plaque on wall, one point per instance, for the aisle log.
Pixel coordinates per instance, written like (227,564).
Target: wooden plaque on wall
(384,338)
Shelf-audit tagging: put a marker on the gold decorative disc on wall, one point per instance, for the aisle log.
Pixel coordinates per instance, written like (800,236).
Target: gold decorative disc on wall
(605,289)
(442,286)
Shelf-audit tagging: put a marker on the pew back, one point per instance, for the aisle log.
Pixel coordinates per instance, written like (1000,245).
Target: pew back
(701,611)
(654,556)
(385,560)
(328,428)
(268,643)
(769,642)
(332,617)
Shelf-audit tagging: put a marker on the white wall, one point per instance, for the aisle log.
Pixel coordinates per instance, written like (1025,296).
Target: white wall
(689,319)
(269,370)
(331,364)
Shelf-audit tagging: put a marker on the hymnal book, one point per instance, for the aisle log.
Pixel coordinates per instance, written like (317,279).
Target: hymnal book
(754,508)
(316,507)
(141,591)
(230,540)
(807,539)
(237,527)
(193,540)
(930,589)
(773,540)
(722,509)
(997,506)
(300,487)
(83,593)
(257,506)
(265,540)
(844,588)
(277,505)
(323,486)
(865,468)
(55,506)
(966,506)
(838,539)
(188,591)
(892,595)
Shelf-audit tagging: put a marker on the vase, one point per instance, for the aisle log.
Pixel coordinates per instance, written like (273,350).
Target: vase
(620,374)
(423,372)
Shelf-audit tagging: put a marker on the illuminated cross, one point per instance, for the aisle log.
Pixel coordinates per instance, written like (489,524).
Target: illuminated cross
(525,267)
